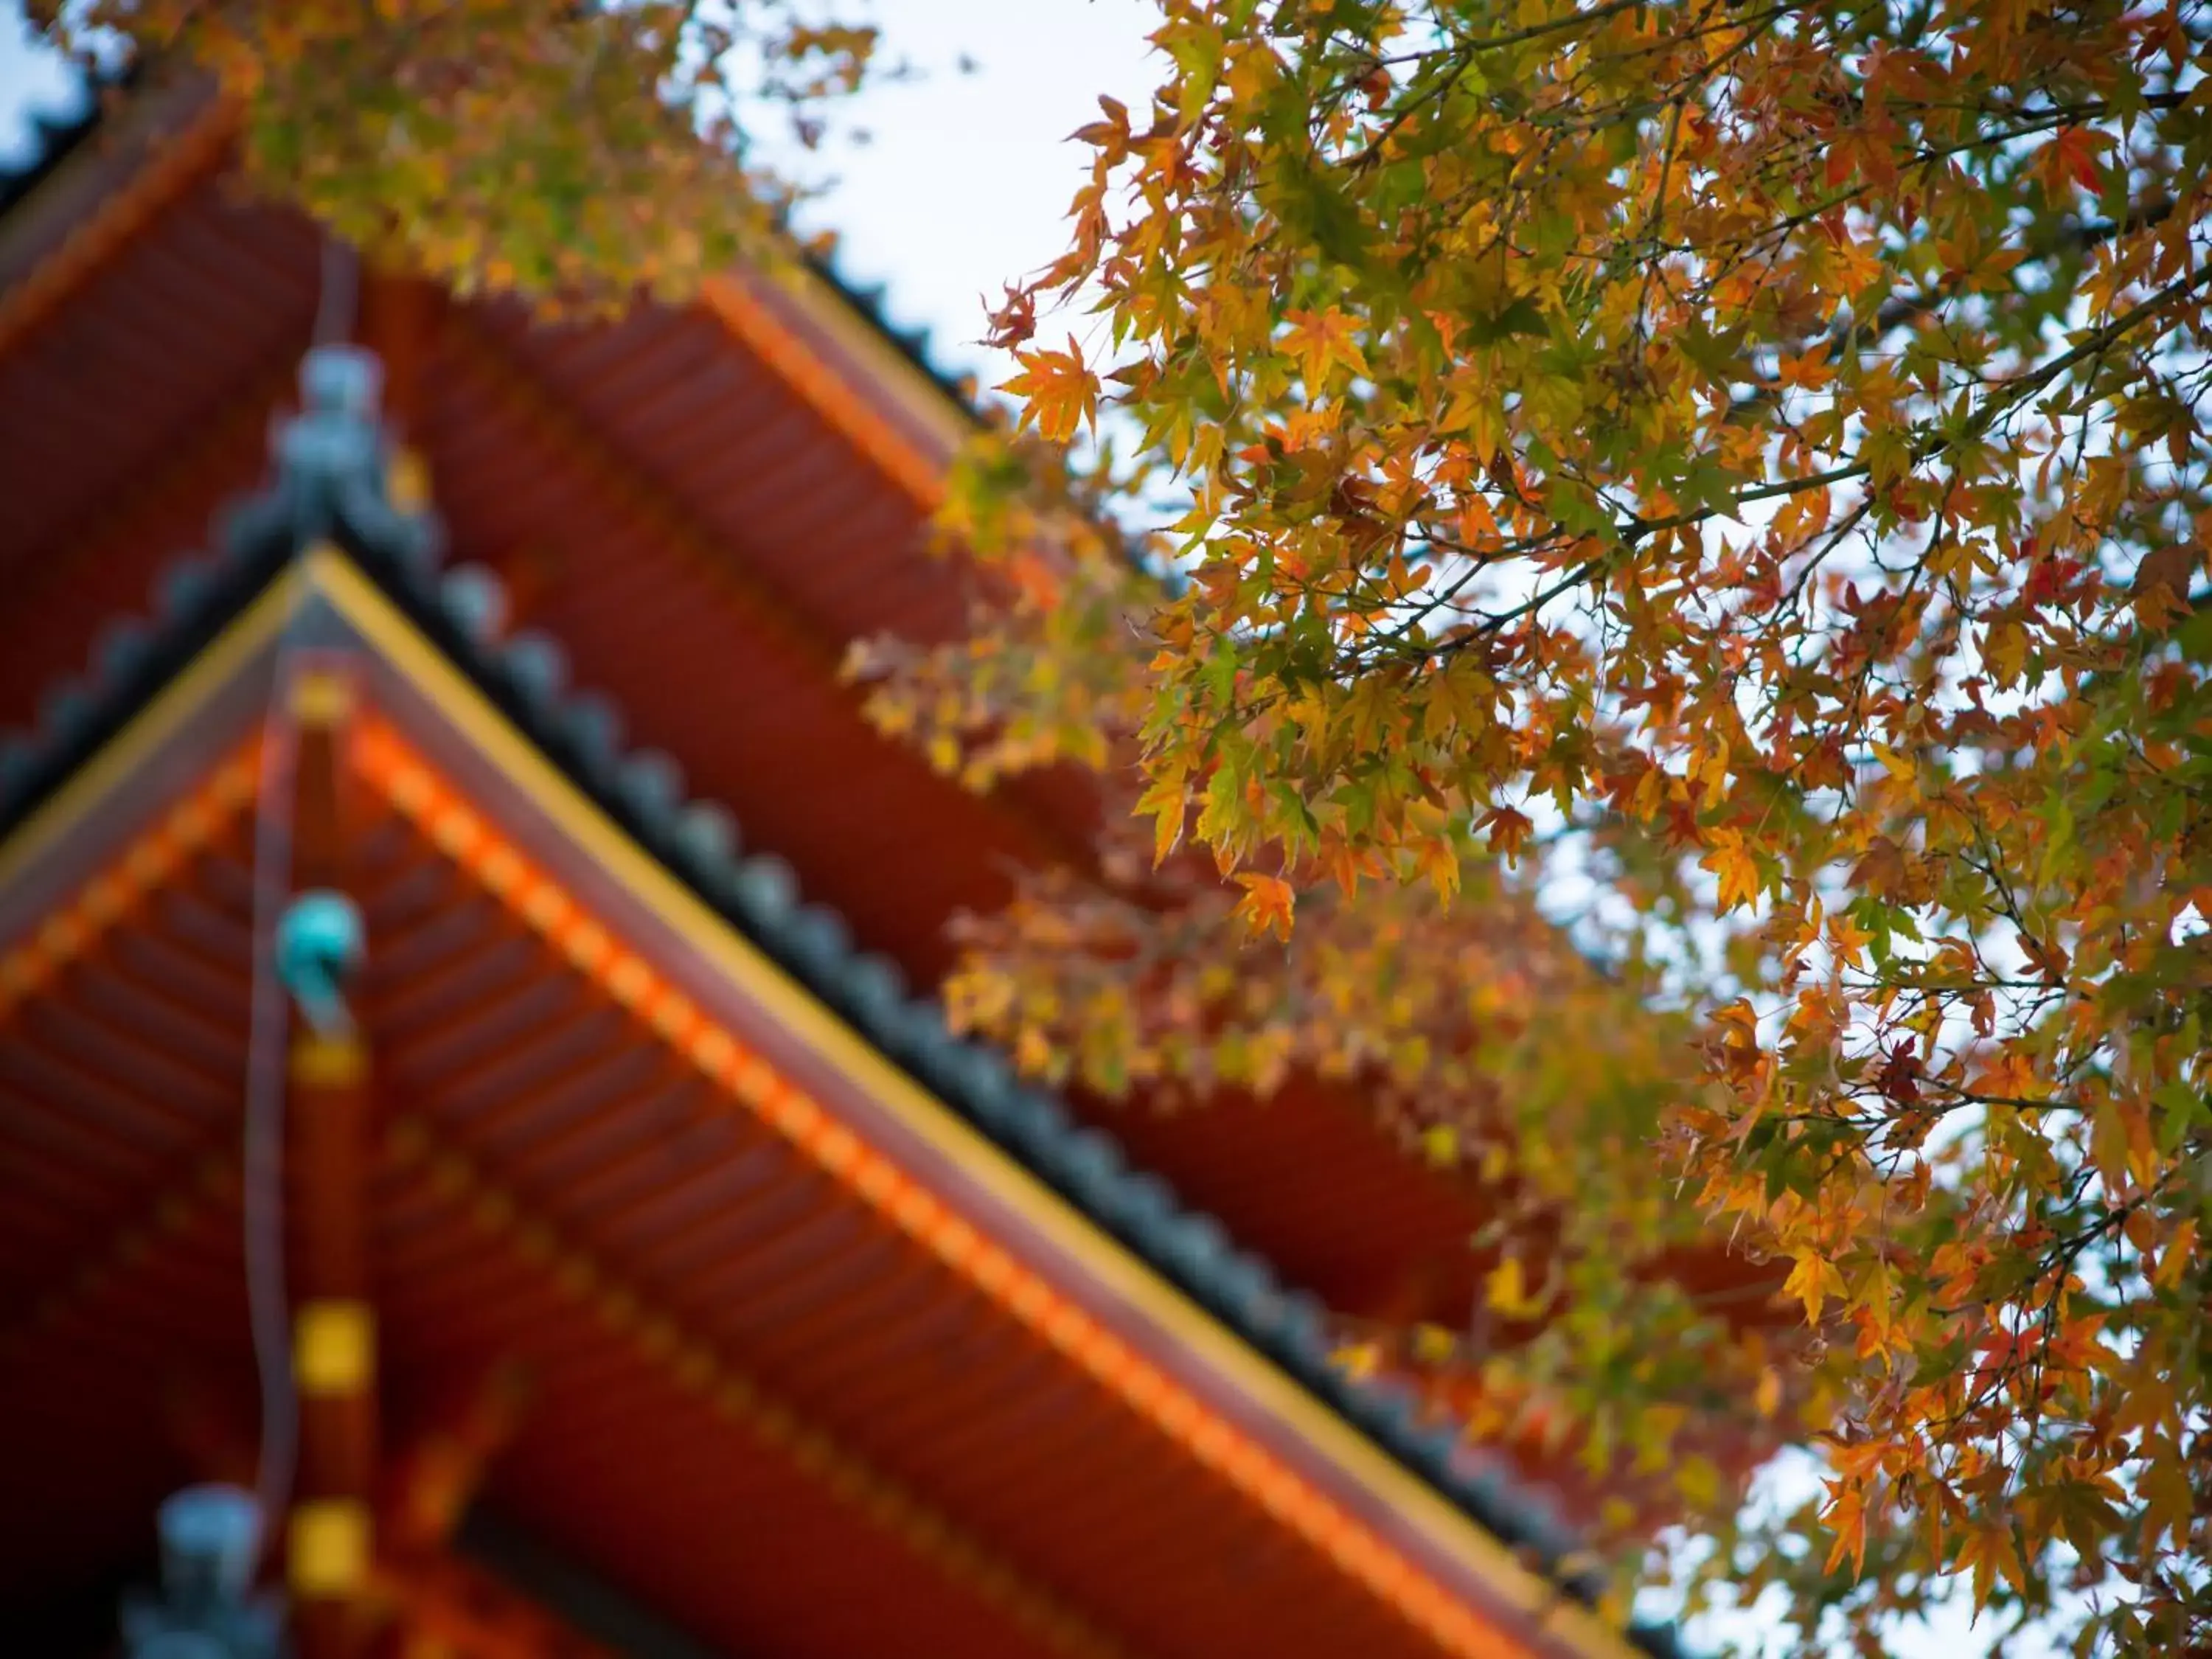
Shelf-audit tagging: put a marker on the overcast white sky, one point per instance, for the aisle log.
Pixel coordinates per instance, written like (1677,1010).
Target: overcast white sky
(965,185)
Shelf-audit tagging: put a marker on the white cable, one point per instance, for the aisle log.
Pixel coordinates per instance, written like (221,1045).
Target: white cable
(269,1017)
(339,302)
(267,1032)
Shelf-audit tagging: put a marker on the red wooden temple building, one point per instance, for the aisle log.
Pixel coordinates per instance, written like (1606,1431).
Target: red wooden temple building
(632,1264)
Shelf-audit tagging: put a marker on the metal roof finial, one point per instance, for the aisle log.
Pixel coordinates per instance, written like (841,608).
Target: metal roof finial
(333,467)
(206,1607)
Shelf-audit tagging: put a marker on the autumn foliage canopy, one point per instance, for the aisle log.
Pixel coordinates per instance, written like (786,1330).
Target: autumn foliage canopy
(1631,575)
(1740,468)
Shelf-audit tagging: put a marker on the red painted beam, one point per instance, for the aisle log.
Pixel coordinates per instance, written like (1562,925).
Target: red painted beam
(328,1149)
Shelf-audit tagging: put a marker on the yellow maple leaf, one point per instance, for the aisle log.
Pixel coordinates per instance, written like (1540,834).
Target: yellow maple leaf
(1059,393)
(2174,1260)
(2169,1498)
(1812,1281)
(1167,805)
(1846,1518)
(1439,862)
(1769,1396)
(1991,1550)
(1507,1290)
(1319,340)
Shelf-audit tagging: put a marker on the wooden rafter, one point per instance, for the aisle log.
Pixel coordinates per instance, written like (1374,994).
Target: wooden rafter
(430,1482)
(443,1610)
(212,1181)
(144,508)
(178,162)
(847,410)
(695,1366)
(584,454)
(74,926)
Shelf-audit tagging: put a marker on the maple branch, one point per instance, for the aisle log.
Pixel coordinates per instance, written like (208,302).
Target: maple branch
(2095,109)
(1632,530)
(1537,31)
(1371,151)
(1464,50)
(1963,1096)
(1658,206)
(2076,237)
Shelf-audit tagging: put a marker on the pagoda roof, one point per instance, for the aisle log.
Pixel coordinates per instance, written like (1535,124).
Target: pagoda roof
(371,575)
(705,506)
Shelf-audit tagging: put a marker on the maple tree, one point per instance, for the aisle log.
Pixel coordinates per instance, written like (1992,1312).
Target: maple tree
(1742,461)
(576,153)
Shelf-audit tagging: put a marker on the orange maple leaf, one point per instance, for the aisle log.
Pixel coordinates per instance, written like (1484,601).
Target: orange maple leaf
(1268,904)
(1731,861)
(1319,340)
(1509,831)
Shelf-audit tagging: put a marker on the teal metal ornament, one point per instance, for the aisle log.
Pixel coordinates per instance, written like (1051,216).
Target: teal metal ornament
(320,943)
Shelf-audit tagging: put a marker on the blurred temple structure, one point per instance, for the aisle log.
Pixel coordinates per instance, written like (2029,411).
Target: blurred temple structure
(481,1174)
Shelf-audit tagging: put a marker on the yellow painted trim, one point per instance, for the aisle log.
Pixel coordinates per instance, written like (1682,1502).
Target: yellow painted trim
(329,1547)
(322,699)
(328,1062)
(131,749)
(798,1013)
(333,1348)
